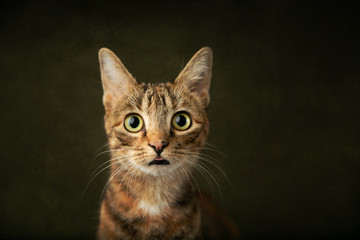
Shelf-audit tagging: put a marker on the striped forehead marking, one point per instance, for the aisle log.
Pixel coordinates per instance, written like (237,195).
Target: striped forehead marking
(156,97)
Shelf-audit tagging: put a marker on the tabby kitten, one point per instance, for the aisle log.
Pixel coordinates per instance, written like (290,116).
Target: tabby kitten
(155,134)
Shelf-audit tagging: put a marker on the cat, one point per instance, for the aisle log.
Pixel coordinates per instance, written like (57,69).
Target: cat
(155,133)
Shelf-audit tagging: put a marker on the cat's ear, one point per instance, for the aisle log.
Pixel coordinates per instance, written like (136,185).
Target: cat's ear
(197,75)
(117,82)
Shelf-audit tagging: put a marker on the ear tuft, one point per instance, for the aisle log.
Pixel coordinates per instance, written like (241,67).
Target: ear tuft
(197,75)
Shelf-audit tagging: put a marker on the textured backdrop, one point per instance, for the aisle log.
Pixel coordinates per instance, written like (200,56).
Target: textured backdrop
(284,109)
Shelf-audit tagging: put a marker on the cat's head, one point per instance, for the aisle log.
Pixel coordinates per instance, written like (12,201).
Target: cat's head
(156,128)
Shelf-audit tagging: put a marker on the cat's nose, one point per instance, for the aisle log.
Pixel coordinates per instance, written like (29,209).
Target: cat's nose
(158,146)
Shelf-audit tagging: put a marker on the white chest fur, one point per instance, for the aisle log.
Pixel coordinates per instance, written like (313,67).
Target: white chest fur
(156,198)
(152,209)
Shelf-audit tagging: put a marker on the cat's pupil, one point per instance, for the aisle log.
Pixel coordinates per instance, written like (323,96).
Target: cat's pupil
(134,122)
(180,120)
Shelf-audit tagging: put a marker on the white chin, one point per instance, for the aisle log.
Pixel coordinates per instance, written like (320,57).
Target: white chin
(159,170)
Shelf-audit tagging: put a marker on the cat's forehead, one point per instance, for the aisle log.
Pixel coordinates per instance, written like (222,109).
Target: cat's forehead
(157,101)
(157,97)
(165,96)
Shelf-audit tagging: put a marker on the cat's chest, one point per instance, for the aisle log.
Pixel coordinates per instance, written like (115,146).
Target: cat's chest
(151,211)
(154,201)
(150,208)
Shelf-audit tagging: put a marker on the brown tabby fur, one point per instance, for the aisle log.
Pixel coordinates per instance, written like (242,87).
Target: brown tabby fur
(145,201)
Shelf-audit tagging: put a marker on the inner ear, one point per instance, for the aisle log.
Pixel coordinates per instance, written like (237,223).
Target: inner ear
(117,82)
(196,75)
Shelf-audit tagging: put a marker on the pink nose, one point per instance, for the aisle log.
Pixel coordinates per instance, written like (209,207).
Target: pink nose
(158,146)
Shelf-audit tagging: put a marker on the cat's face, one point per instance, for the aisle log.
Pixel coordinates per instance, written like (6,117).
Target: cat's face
(156,128)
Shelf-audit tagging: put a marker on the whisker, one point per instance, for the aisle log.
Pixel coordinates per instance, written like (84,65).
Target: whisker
(211,149)
(116,158)
(218,168)
(101,153)
(82,195)
(211,175)
(206,158)
(107,151)
(203,174)
(114,175)
(187,172)
(127,172)
(103,146)
(132,175)
(209,157)
(206,171)
(214,162)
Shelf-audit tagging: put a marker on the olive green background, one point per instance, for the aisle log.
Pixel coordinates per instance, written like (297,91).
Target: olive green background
(284,109)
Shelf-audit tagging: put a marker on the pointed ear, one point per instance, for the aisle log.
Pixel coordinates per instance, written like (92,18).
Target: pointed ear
(197,75)
(116,80)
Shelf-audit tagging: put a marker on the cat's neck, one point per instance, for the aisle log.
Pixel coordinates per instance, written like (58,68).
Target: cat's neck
(152,195)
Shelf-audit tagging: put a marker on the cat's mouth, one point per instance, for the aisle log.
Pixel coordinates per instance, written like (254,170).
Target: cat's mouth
(159,161)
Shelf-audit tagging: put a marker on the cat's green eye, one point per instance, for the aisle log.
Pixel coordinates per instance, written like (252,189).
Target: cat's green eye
(133,123)
(181,121)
